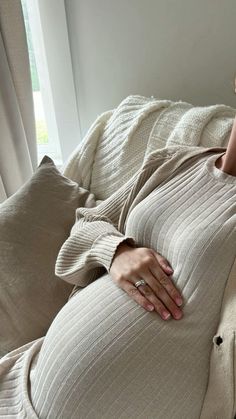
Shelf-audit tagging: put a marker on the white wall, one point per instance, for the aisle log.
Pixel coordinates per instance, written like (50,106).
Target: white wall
(171,49)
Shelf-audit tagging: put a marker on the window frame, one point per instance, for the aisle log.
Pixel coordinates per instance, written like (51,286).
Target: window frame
(48,25)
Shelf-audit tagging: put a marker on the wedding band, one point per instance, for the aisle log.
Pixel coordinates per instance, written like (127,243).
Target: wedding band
(140,282)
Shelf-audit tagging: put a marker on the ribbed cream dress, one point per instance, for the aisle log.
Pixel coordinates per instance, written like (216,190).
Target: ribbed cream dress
(104,356)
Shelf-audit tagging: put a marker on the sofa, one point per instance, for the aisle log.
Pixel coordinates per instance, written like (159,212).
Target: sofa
(36,220)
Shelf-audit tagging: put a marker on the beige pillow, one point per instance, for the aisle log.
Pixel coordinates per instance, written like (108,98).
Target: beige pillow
(34,223)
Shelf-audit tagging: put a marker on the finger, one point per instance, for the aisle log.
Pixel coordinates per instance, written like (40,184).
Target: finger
(163,262)
(167,283)
(147,292)
(134,293)
(155,292)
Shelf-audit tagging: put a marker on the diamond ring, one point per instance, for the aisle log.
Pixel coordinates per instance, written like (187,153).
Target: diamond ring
(140,282)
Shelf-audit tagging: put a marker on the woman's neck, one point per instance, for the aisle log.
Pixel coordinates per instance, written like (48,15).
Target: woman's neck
(227,162)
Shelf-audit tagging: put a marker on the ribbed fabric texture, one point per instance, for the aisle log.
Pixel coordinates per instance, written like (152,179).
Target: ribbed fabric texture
(15,369)
(106,357)
(126,363)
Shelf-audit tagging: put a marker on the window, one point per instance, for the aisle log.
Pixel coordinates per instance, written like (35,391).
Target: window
(56,114)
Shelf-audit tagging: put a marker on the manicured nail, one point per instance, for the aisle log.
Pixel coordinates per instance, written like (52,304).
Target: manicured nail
(179,301)
(166,315)
(150,308)
(169,269)
(178,315)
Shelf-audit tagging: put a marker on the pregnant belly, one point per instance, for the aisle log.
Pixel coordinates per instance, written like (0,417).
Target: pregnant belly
(106,357)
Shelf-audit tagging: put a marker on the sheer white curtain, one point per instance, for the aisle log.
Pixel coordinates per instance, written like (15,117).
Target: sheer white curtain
(18,147)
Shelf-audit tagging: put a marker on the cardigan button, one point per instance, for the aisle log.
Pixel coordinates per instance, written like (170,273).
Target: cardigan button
(218,340)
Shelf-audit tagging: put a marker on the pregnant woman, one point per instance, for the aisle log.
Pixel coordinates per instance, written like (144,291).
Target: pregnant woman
(124,346)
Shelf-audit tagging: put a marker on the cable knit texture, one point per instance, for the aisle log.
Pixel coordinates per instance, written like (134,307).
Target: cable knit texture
(121,139)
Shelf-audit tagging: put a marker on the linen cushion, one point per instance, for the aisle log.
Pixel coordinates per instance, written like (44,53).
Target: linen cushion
(34,223)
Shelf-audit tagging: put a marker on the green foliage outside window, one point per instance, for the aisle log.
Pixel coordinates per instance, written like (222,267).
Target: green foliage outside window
(33,68)
(41,131)
(41,128)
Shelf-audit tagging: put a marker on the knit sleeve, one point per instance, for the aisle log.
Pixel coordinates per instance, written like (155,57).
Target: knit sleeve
(94,238)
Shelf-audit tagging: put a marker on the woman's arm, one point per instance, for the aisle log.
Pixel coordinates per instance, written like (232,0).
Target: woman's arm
(94,239)
(96,245)
(95,236)
(227,162)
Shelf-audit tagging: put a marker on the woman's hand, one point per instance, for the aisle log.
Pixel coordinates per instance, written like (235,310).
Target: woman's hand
(132,264)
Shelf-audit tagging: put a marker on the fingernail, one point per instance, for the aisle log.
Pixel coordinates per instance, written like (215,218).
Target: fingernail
(169,269)
(178,315)
(166,315)
(179,301)
(150,308)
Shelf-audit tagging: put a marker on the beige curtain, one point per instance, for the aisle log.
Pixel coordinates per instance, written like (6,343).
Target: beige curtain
(18,147)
